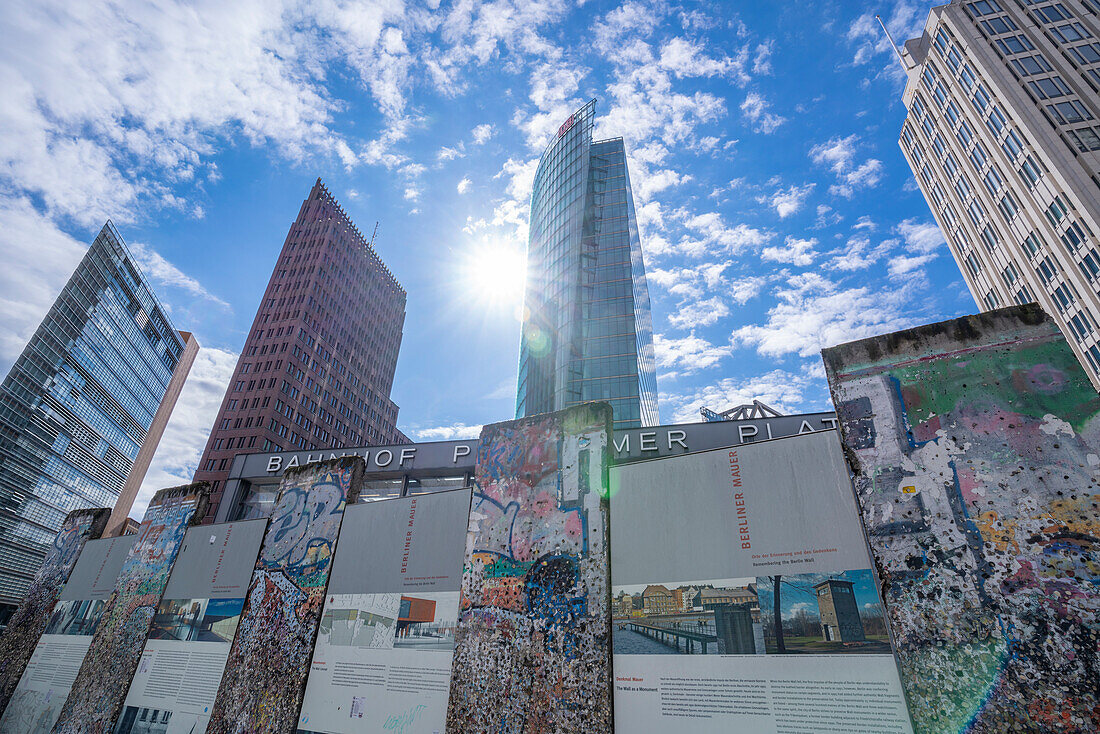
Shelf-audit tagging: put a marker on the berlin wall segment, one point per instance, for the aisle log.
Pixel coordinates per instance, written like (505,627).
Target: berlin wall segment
(975,449)
(532,648)
(30,619)
(100,686)
(265,676)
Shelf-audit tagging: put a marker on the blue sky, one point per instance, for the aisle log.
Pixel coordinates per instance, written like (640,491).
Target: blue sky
(777,214)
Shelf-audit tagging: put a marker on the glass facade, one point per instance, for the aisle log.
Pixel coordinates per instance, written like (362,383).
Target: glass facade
(587,329)
(77,404)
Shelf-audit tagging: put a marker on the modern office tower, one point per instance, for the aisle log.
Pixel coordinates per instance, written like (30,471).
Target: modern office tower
(587,330)
(318,364)
(1003,134)
(83,407)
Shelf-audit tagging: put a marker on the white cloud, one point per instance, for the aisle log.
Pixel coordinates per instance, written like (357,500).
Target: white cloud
(788,201)
(762,61)
(858,254)
(756,111)
(620,34)
(449,154)
(907,265)
(691,314)
(781,389)
(159,270)
(184,438)
(482,133)
(921,237)
(464,185)
(447,433)
(709,234)
(795,251)
(688,354)
(412,193)
(38,260)
(686,58)
(838,155)
(813,313)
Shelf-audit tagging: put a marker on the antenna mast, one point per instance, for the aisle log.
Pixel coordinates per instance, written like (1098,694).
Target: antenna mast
(893,45)
(373,234)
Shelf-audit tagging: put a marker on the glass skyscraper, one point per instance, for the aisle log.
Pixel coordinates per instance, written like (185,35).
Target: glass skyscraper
(587,329)
(83,407)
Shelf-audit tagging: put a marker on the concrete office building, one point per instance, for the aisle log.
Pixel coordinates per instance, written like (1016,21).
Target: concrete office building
(84,406)
(587,329)
(1003,135)
(318,365)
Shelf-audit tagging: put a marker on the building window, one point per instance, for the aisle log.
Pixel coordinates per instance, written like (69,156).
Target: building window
(1014,45)
(997,26)
(1068,112)
(1049,88)
(1087,54)
(1029,65)
(991,300)
(1085,139)
(1070,32)
(983,7)
(1079,324)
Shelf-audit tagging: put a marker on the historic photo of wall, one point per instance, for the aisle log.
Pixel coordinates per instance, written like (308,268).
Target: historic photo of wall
(822,613)
(711,617)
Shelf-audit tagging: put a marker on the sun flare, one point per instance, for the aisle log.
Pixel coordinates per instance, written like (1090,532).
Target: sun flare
(495,272)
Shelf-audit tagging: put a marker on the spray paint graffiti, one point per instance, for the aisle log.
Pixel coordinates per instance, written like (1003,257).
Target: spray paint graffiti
(100,686)
(265,676)
(532,650)
(29,621)
(975,445)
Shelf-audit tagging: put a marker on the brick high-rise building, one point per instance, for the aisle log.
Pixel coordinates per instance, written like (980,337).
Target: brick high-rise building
(1003,134)
(318,364)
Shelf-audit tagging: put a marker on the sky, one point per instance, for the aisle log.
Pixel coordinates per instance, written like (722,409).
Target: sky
(777,214)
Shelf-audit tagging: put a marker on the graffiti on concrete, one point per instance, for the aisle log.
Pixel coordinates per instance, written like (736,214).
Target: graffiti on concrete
(30,619)
(265,676)
(100,686)
(975,446)
(531,651)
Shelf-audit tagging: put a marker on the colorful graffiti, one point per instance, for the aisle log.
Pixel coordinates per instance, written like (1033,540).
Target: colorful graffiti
(532,649)
(30,619)
(265,676)
(975,445)
(100,686)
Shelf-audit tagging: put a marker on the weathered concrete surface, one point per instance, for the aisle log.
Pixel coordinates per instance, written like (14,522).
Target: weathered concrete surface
(975,449)
(100,687)
(532,651)
(265,675)
(30,619)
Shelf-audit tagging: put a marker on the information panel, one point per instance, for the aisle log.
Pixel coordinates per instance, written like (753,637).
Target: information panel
(53,666)
(383,656)
(193,628)
(743,597)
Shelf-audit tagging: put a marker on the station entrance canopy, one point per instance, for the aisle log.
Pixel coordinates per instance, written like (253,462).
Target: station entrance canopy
(420,468)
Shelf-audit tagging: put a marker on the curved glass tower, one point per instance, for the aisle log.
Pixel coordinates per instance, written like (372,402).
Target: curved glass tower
(587,330)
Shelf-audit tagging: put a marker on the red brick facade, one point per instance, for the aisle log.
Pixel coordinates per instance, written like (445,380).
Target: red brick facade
(318,365)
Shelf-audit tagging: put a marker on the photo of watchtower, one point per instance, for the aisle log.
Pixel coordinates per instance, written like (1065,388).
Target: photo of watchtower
(836,603)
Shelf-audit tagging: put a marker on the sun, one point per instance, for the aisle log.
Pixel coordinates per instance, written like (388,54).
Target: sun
(494,272)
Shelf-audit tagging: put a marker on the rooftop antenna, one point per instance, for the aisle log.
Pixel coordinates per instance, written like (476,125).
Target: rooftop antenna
(372,234)
(892,44)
